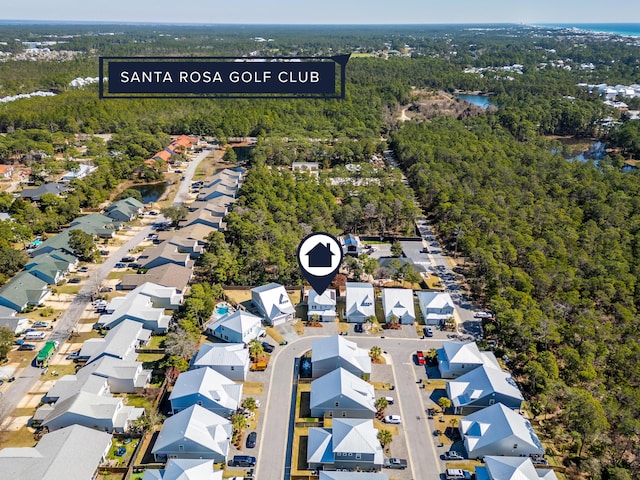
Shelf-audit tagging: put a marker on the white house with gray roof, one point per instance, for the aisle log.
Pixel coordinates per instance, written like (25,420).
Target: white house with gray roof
(342,394)
(512,468)
(350,444)
(236,327)
(22,290)
(436,307)
(360,302)
(229,359)
(84,448)
(274,303)
(498,430)
(482,387)
(146,304)
(329,353)
(398,303)
(207,388)
(184,469)
(195,433)
(120,342)
(93,411)
(456,359)
(322,307)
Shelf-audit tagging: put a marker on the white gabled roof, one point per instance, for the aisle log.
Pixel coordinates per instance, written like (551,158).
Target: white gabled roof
(320,446)
(209,384)
(479,383)
(341,382)
(360,299)
(356,435)
(274,300)
(222,354)
(184,469)
(398,302)
(327,299)
(495,423)
(435,300)
(513,468)
(119,342)
(238,321)
(198,425)
(338,346)
(467,353)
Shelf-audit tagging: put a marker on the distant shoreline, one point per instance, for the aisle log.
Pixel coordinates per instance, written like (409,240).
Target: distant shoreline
(621,29)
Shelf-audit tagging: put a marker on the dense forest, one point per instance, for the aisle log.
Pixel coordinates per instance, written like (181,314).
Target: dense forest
(551,245)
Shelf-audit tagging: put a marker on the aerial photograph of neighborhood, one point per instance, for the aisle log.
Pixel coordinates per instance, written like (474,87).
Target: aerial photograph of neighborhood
(416,257)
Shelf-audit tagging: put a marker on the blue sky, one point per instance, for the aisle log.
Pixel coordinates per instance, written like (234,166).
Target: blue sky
(325,11)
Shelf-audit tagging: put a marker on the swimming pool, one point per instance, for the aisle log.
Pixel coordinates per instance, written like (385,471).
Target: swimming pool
(222,309)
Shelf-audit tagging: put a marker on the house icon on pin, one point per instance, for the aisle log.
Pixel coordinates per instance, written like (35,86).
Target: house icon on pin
(320,255)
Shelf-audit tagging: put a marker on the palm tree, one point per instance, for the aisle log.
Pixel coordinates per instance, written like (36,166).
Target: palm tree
(238,421)
(381,405)
(385,438)
(255,348)
(249,404)
(375,352)
(444,403)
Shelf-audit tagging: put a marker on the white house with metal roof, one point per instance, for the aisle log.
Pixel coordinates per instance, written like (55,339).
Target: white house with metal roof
(120,342)
(350,443)
(93,411)
(274,303)
(146,305)
(342,394)
(498,430)
(184,469)
(456,359)
(482,387)
(398,303)
(229,359)
(84,448)
(333,352)
(195,433)
(236,327)
(360,302)
(207,388)
(436,307)
(322,307)
(512,468)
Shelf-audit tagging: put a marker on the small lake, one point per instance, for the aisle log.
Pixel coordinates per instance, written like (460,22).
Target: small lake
(150,192)
(481,101)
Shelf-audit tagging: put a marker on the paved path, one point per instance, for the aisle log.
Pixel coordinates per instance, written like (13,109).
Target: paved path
(27,378)
(423,456)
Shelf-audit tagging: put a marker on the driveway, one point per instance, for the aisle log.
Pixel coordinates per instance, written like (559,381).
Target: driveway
(27,378)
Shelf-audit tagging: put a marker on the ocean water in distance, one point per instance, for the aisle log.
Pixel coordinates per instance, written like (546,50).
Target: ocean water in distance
(627,29)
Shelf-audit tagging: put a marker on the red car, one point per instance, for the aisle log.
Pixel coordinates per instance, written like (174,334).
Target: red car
(420,357)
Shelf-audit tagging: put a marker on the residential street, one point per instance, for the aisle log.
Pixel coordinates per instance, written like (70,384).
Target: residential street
(412,401)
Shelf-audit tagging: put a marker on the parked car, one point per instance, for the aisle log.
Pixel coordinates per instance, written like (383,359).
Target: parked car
(27,346)
(120,265)
(251,439)
(457,474)
(20,341)
(358,328)
(134,265)
(128,258)
(104,252)
(483,315)
(106,289)
(393,419)
(121,452)
(40,324)
(420,358)
(428,331)
(242,461)
(389,400)
(83,269)
(452,455)
(395,463)
(268,347)
(75,280)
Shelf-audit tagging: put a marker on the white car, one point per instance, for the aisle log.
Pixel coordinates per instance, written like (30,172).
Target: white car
(483,315)
(393,419)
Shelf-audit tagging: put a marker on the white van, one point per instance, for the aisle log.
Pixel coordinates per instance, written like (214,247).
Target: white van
(35,336)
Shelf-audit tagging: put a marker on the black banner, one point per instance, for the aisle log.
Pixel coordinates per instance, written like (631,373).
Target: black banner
(167,77)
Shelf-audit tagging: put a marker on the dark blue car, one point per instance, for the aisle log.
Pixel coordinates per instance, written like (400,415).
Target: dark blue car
(121,451)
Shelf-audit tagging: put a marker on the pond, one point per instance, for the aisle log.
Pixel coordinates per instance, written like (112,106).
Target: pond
(481,101)
(150,192)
